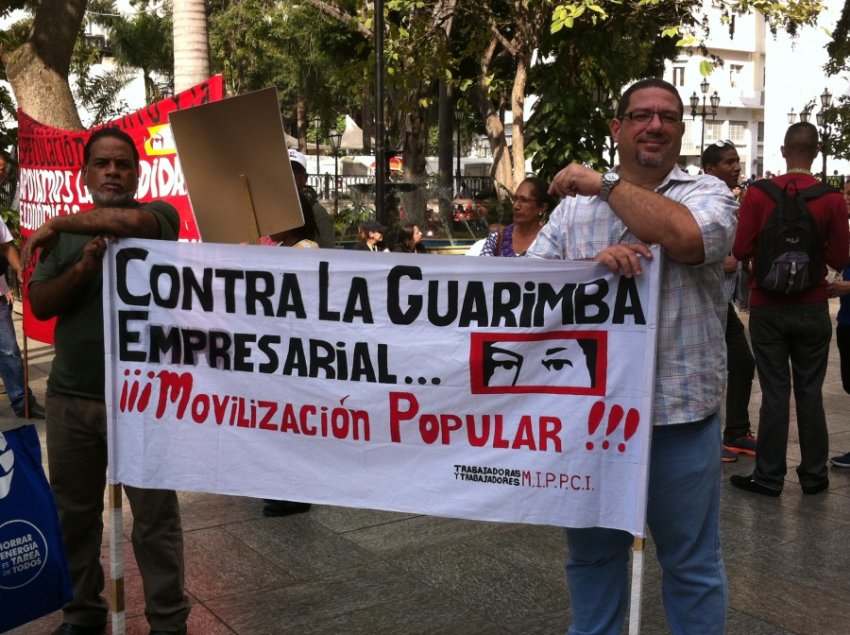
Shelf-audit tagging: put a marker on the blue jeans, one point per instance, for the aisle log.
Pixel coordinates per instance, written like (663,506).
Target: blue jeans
(799,334)
(11,362)
(683,517)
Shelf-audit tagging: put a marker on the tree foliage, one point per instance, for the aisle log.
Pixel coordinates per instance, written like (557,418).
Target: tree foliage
(596,47)
(837,119)
(320,57)
(839,47)
(312,60)
(585,67)
(144,42)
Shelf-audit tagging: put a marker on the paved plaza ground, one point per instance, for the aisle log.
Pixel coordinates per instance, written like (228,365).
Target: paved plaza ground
(356,571)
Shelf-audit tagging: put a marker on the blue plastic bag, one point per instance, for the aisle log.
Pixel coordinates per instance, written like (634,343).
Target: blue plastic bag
(34,579)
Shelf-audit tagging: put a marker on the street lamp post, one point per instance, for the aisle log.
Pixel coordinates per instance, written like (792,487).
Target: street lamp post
(825,126)
(335,139)
(714,100)
(458,119)
(317,121)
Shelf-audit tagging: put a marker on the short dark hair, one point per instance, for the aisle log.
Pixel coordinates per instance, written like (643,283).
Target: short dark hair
(116,133)
(714,152)
(649,82)
(801,139)
(540,189)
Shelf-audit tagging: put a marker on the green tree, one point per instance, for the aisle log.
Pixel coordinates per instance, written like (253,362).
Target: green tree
(416,56)
(141,43)
(144,41)
(595,47)
(838,117)
(311,59)
(585,68)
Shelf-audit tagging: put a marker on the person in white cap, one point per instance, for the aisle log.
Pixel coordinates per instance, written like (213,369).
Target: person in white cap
(324,224)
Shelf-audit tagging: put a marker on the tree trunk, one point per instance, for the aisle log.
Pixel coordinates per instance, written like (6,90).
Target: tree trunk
(518,128)
(445,151)
(301,122)
(367,117)
(413,156)
(502,170)
(38,70)
(191,44)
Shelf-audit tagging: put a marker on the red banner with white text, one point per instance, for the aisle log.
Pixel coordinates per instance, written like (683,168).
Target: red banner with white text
(50,160)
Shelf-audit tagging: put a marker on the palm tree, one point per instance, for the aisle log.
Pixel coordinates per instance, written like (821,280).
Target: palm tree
(144,42)
(191,44)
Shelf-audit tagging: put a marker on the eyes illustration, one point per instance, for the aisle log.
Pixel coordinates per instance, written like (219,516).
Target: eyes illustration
(551,361)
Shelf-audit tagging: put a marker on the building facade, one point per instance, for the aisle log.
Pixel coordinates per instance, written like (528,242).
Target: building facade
(759,79)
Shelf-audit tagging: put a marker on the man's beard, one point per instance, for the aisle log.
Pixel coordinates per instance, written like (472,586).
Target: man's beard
(113,199)
(648,160)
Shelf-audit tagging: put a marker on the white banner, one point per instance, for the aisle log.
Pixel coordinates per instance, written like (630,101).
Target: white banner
(505,389)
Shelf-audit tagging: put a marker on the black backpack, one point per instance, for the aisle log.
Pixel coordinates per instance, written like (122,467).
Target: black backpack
(789,248)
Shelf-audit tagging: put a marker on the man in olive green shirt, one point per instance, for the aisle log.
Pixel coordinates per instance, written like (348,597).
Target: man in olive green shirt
(67,284)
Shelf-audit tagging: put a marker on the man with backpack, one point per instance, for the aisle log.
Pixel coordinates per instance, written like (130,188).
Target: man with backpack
(792,227)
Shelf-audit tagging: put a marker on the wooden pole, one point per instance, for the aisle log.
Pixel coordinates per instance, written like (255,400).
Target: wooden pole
(637,586)
(116,559)
(26,378)
(252,214)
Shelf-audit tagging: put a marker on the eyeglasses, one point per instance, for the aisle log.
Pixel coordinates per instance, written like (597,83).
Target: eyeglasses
(723,143)
(645,116)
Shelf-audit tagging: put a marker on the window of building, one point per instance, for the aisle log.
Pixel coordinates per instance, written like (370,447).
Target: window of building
(691,132)
(678,76)
(481,148)
(760,133)
(738,132)
(713,130)
(735,71)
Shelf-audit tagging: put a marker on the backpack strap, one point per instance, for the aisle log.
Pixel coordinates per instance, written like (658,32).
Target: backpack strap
(768,187)
(807,193)
(816,191)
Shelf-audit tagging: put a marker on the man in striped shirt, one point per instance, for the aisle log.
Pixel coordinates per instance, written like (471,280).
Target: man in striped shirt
(611,219)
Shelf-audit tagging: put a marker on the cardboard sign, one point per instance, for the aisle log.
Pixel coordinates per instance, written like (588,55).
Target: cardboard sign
(234,157)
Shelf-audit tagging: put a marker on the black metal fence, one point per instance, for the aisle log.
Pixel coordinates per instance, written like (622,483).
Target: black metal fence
(474,187)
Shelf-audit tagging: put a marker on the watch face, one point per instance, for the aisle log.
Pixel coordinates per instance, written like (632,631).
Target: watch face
(609,180)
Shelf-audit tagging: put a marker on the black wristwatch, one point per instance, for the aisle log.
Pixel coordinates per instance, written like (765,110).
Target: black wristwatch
(609,182)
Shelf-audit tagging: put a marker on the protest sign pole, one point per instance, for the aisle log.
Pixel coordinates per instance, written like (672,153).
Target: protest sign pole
(26,378)
(637,586)
(116,558)
(252,213)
